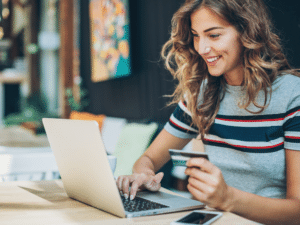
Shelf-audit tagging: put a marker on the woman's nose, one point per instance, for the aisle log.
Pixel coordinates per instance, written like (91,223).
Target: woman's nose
(203,48)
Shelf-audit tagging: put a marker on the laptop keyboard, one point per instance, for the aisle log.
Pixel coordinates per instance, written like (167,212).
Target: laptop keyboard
(140,204)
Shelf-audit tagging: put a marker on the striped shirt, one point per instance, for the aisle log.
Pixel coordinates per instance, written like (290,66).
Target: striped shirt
(247,147)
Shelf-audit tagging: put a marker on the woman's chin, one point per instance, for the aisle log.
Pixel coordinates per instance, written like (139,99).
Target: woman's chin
(215,74)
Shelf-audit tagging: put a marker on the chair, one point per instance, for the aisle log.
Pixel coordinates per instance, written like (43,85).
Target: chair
(132,143)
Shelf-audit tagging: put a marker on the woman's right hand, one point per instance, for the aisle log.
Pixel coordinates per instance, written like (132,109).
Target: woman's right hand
(138,181)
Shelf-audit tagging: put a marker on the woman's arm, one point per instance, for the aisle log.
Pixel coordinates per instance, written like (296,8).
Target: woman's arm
(208,186)
(158,152)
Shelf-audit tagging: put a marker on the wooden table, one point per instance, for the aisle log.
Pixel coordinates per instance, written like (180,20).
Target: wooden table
(45,202)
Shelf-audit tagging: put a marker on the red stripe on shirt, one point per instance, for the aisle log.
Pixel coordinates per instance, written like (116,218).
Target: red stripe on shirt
(292,137)
(175,124)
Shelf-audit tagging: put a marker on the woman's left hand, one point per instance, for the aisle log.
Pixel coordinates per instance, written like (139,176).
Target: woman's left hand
(206,184)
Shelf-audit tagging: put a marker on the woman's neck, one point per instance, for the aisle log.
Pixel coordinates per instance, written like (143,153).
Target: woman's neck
(234,79)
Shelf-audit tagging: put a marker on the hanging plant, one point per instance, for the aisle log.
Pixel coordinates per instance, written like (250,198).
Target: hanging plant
(80,104)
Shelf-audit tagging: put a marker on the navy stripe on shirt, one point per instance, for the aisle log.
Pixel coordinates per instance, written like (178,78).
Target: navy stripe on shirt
(182,129)
(183,117)
(246,133)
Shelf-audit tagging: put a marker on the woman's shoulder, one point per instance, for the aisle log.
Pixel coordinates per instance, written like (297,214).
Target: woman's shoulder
(286,90)
(286,82)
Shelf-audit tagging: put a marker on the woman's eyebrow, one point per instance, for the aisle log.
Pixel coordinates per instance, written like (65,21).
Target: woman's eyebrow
(212,28)
(193,30)
(209,29)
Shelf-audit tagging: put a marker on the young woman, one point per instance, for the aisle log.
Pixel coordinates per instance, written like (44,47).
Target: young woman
(238,93)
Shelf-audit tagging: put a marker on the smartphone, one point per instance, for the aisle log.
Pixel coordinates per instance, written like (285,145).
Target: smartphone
(179,157)
(198,217)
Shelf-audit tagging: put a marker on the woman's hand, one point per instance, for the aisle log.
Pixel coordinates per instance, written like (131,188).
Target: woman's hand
(206,184)
(138,181)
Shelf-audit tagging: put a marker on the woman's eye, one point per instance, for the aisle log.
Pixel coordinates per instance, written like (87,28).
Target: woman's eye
(214,35)
(195,35)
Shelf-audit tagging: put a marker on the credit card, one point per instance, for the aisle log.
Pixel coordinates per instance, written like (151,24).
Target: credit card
(179,157)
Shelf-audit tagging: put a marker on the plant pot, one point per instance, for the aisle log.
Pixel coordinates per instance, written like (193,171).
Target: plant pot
(75,115)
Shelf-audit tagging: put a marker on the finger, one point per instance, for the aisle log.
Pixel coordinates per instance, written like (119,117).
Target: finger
(135,187)
(153,186)
(119,183)
(200,196)
(126,187)
(201,175)
(201,186)
(154,183)
(202,163)
(158,177)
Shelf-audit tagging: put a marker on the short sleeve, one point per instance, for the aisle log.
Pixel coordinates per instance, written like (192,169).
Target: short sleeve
(291,124)
(180,123)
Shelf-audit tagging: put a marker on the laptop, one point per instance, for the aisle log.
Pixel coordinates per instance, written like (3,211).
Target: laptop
(87,177)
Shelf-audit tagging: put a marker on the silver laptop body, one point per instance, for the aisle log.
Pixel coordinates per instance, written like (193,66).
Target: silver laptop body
(87,177)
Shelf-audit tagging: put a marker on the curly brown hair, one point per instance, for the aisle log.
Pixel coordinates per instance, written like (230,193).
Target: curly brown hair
(263,58)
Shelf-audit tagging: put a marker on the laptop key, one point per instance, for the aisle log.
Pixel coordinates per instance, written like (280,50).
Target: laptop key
(140,204)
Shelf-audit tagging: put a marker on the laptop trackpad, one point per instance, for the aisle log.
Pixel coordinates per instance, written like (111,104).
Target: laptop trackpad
(154,196)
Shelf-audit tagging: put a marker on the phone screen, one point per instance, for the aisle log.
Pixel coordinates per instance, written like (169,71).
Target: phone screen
(197,218)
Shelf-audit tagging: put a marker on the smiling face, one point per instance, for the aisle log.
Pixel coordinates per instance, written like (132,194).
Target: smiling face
(218,43)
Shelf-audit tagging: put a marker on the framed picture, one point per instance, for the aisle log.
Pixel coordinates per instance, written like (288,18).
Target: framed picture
(110,46)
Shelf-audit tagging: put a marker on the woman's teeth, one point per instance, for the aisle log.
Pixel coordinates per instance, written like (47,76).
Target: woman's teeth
(213,59)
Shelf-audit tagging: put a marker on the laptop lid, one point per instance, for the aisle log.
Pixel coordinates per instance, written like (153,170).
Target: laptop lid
(87,177)
(83,165)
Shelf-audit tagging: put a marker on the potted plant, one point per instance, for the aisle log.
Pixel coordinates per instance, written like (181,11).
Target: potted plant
(31,115)
(77,104)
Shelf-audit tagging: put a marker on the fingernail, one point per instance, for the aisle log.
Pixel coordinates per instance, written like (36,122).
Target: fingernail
(131,197)
(125,196)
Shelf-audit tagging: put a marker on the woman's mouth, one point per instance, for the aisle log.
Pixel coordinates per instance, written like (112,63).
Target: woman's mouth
(212,61)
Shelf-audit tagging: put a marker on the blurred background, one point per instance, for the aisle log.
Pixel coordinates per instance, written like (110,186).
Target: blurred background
(46,47)
(53,54)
